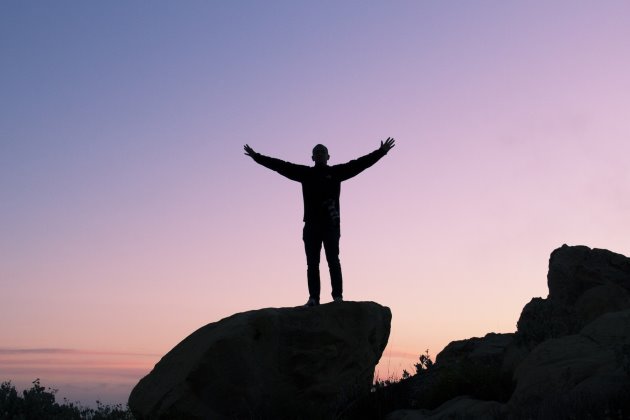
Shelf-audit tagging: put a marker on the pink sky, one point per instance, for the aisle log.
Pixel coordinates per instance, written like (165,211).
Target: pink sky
(130,217)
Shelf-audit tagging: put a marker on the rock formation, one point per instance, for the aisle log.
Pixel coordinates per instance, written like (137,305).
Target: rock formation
(583,284)
(293,363)
(590,367)
(569,358)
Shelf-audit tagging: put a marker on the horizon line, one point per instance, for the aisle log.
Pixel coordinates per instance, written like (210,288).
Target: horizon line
(57,350)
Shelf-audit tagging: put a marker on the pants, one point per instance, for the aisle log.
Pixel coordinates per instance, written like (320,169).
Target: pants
(314,235)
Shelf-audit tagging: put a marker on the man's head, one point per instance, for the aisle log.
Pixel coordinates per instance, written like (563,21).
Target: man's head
(320,155)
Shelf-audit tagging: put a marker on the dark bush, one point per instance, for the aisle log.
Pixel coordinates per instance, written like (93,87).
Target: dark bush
(39,403)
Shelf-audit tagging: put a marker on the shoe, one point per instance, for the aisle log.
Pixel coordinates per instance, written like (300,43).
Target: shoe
(312,302)
(338,299)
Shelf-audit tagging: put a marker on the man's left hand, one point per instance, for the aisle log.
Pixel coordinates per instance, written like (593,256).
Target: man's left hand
(388,145)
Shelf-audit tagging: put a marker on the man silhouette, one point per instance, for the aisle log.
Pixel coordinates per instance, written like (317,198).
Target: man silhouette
(320,190)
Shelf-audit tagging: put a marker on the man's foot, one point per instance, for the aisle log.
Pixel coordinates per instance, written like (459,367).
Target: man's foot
(338,299)
(312,302)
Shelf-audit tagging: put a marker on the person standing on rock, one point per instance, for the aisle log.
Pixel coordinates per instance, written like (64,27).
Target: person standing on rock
(320,190)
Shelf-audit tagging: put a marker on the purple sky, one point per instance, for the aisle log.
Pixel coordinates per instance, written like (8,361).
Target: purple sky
(130,217)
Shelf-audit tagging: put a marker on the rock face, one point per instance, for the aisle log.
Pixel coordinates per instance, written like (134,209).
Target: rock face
(583,284)
(569,358)
(593,365)
(486,351)
(576,269)
(294,363)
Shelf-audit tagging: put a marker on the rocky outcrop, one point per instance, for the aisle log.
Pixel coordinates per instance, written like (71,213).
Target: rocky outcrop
(466,367)
(585,371)
(575,269)
(583,284)
(293,363)
(486,351)
(473,368)
(569,358)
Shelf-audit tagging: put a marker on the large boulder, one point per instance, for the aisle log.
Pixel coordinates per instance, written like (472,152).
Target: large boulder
(269,363)
(472,367)
(584,283)
(485,351)
(587,372)
(575,269)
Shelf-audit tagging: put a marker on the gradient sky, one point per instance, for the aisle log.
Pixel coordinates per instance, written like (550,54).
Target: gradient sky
(129,216)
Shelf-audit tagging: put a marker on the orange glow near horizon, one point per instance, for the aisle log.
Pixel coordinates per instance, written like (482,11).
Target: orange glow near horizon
(84,376)
(109,377)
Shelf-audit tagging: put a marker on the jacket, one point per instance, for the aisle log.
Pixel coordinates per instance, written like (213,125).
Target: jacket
(321,184)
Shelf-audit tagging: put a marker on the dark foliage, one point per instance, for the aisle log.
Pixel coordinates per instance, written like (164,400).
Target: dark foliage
(39,403)
(425,363)
(388,395)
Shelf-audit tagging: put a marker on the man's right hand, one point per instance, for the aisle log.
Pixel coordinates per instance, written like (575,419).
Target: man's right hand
(249,151)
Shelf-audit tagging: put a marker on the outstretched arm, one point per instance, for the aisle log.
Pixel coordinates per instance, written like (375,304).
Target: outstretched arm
(287,169)
(355,167)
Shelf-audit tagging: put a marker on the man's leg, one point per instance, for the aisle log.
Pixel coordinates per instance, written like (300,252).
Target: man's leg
(331,247)
(312,246)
